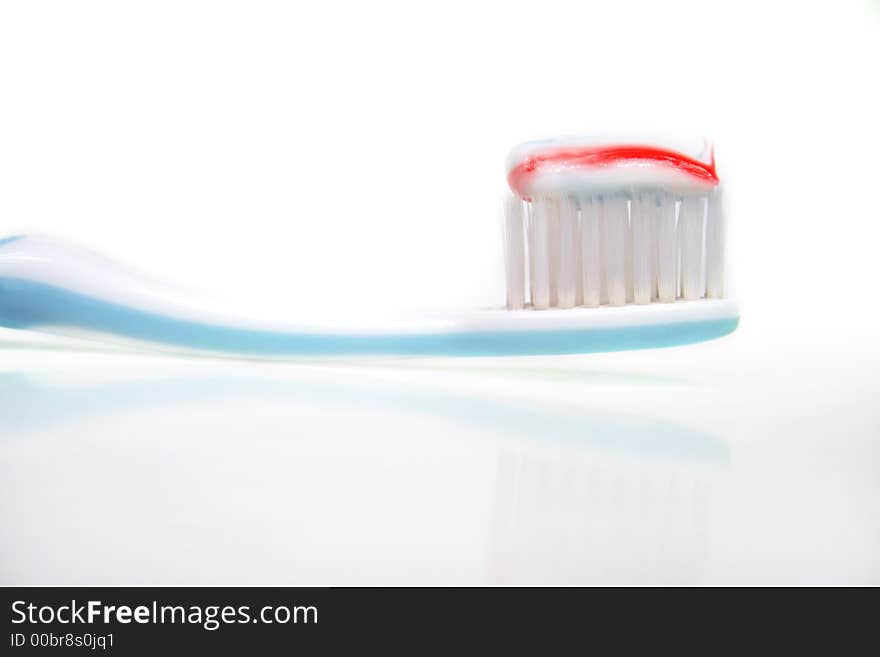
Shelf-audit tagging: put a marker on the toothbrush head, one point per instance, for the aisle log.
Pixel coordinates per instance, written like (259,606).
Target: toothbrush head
(594,222)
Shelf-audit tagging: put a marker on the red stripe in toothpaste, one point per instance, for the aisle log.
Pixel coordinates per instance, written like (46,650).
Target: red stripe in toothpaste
(598,157)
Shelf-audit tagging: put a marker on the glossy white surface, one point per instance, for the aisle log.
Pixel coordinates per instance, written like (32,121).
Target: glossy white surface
(716,463)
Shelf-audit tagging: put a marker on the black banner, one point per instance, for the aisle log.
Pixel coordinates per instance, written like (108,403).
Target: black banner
(151,621)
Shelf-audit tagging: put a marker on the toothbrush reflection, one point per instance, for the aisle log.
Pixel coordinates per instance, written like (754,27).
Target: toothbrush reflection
(322,476)
(567,522)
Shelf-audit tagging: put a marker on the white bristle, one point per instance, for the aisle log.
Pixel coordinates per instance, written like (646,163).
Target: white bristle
(641,221)
(690,230)
(590,250)
(578,256)
(666,239)
(552,210)
(715,247)
(539,228)
(614,226)
(530,247)
(566,283)
(514,242)
(613,248)
(628,254)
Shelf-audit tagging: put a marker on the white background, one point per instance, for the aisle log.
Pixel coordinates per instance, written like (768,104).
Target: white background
(297,156)
(306,157)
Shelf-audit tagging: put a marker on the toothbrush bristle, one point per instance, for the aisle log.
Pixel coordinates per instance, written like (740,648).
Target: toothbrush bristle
(639,233)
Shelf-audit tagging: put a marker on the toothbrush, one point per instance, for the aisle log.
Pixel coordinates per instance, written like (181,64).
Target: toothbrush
(609,246)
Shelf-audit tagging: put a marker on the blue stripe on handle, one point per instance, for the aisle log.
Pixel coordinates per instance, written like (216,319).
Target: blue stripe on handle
(28,305)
